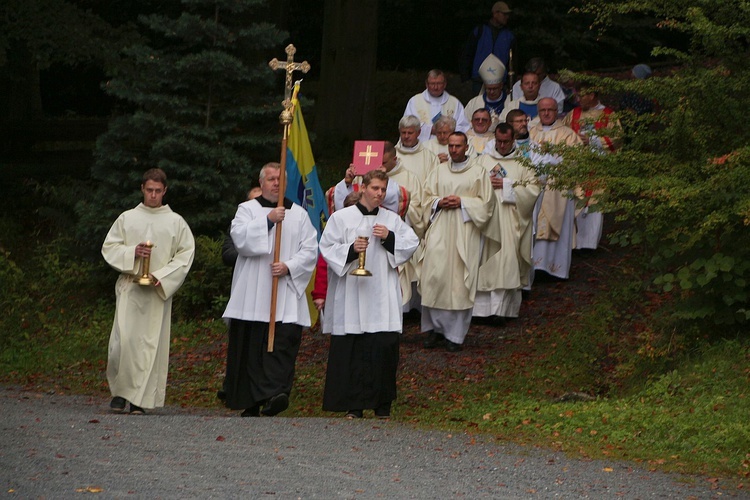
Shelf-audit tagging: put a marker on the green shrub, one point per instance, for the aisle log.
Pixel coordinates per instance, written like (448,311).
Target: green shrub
(682,182)
(206,289)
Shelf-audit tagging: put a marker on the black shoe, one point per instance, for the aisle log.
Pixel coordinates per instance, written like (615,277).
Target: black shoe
(118,403)
(251,412)
(221,394)
(136,410)
(452,346)
(276,405)
(383,411)
(497,321)
(353,414)
(411,317)
(433,340)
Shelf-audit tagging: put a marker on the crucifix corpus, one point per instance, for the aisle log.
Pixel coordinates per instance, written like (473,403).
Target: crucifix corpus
(286,118)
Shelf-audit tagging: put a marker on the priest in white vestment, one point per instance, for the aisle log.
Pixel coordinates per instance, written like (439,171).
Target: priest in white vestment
(363,313)
(602,133)
(438,144)
(547,86)
(555,220)
(528,100)
(258,381)
(417,159)
(505,266)
(458,203)
(138,354)
(414,156)
(433,103)
(479,134)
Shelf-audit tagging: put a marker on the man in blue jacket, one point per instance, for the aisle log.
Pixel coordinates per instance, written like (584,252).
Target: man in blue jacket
(492,37)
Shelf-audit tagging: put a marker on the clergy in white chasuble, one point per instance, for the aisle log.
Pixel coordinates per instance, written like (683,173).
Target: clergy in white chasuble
(506,264)
(458,203)
(601,132)
(138,353)
(433,103)
(414,156)
(555,230)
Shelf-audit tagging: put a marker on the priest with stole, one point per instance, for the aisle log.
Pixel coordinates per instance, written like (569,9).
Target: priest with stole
(505,267)
(259,381)
(458,202)
(363,313)
(555,214)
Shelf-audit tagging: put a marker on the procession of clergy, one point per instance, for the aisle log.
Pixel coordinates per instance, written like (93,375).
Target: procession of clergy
(453,223)
(486,221)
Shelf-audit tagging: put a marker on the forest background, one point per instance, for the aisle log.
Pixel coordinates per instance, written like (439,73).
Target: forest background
(185,85)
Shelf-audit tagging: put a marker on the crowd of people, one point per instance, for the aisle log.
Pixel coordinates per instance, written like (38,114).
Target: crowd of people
(453,225)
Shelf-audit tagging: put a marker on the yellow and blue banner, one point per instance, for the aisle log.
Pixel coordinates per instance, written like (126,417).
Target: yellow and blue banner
(303,186)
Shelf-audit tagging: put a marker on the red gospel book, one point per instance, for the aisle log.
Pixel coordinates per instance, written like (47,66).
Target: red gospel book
(368,155)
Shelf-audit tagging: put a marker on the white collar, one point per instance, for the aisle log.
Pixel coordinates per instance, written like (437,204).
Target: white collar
(439,101)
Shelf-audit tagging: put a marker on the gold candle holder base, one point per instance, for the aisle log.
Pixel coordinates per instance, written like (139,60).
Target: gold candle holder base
(361,271)
(145,278)
(144,281)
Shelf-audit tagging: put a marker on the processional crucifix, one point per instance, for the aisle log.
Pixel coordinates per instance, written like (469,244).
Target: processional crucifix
(286,118)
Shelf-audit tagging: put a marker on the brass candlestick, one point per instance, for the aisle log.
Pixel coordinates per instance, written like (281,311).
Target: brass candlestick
(145,279)
(361,271)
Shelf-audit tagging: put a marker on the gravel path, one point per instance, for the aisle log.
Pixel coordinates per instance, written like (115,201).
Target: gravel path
(54,446)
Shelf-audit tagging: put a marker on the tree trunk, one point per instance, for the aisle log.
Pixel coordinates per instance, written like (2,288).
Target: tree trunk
(345,107)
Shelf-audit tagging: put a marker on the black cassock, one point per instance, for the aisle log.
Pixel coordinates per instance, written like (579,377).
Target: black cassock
(361,371)
(254,375)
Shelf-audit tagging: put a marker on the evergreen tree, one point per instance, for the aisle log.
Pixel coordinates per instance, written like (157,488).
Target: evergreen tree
(682,182)
(197,101)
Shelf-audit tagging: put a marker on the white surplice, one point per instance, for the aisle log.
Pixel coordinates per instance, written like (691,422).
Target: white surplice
(372,304)
(250,299)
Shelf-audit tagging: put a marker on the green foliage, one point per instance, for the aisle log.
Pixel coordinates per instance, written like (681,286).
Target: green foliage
(12,297)
(681,184)
(53,316)
(58,31)
(206,289)
(197,101)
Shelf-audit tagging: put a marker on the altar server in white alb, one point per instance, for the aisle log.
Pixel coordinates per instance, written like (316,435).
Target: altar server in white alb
(363,313)
(138,355)
(258,381)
